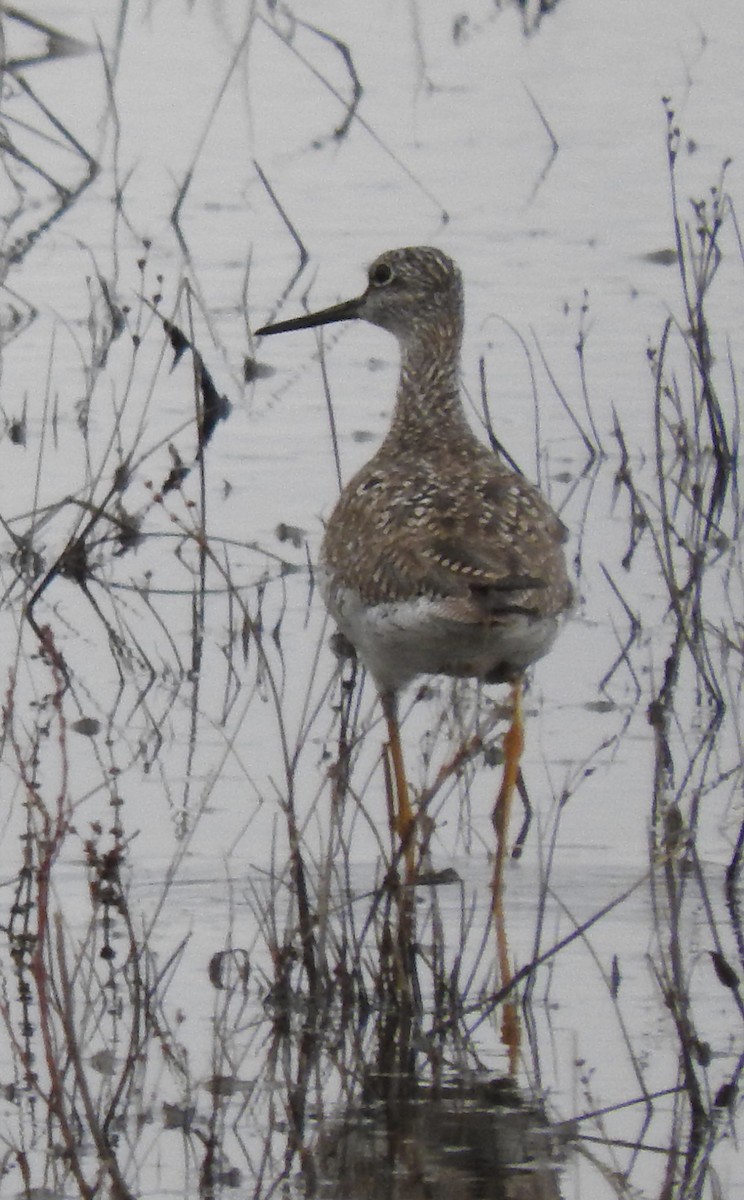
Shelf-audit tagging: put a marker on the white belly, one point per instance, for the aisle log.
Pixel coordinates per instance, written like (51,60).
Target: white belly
(401,640)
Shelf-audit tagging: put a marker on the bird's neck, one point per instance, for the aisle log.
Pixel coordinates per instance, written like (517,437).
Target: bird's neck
(428,410)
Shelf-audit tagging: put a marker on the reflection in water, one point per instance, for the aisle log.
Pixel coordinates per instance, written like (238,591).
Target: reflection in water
(463,1139)
(44,163)
(38,43)
(412,1125)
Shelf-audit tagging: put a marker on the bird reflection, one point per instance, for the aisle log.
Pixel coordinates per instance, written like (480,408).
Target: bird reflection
(465,1139)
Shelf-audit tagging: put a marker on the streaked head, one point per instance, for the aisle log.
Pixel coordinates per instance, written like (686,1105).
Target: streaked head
(407,290)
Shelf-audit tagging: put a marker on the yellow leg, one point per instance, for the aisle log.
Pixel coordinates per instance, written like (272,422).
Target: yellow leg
(511,1030)
(513,746)
(403,813)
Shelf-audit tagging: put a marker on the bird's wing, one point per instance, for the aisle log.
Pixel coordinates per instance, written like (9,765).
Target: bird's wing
(494,544)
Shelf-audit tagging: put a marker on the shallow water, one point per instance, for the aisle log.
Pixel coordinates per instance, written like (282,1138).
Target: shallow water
(198,658)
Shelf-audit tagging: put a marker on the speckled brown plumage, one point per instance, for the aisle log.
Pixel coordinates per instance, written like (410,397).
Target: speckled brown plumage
(462,528)
(437,556)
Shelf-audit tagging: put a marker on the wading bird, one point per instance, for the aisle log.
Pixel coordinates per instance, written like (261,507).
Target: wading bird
(438,558)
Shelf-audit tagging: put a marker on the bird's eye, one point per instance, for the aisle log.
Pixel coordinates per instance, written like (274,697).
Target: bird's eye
(380,275)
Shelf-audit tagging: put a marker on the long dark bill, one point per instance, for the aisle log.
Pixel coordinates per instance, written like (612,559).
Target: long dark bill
(348,311)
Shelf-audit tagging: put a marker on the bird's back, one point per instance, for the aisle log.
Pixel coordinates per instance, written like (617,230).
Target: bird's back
(437,527)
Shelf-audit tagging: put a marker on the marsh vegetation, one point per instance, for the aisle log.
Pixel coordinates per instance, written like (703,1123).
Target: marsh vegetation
(210,982)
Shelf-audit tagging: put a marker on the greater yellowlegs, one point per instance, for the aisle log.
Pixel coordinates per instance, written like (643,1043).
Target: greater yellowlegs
(438,559)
